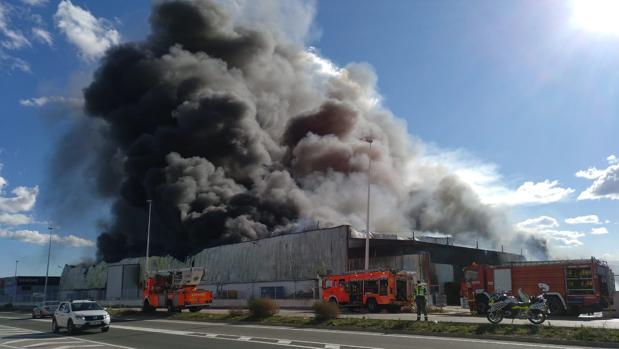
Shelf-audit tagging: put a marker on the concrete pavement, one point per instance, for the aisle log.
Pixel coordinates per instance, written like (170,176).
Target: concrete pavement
(19,331)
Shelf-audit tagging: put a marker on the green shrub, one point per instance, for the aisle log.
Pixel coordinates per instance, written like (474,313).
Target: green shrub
(262,307)
(326,310)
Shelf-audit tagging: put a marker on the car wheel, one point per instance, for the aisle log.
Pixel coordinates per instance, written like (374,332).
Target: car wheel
(33,315)
(54,326)
(105,329)
(70,328)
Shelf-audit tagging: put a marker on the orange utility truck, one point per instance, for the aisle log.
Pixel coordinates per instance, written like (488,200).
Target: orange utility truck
(576,286)
(176,290)
(374,290)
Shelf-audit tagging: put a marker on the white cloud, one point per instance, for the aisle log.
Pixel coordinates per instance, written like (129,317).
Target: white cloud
(590,173)
(13,63)
(34,2)
(605,182)
(37,238)
(538,193)
(486,181)
(548,228)
(42,101)
(14,219)
(23,200)
(92,36)
(43,36)
(589,219)
(599,231)
(11,39)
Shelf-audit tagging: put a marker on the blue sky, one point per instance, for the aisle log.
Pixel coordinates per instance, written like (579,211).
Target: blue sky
(521,98)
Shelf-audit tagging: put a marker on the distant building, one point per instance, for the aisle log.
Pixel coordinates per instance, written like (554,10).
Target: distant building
(27,289)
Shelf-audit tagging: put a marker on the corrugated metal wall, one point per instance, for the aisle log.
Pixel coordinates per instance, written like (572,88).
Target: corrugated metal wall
(286,257)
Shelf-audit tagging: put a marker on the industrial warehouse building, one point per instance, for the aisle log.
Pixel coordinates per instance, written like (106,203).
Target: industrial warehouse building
(286,267)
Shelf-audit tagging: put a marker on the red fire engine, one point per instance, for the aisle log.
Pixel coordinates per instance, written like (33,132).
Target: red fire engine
(176,290)
(374,290)
(576,286)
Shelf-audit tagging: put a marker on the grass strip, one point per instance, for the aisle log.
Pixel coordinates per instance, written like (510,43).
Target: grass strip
(510,332)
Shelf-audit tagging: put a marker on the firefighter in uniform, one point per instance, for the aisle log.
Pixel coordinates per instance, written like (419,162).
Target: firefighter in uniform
(421,294)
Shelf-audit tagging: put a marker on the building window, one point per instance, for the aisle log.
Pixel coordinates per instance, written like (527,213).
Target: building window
(273,292)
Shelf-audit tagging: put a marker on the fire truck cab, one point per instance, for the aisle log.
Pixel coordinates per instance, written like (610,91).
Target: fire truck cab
(176,290)
(374,290)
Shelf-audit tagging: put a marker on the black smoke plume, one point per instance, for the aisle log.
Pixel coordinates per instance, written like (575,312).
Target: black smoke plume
(235,133)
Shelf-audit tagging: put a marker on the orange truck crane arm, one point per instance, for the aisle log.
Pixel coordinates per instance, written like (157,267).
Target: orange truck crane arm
(176,290)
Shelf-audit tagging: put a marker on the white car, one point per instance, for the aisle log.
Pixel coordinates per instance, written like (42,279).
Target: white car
(80,315)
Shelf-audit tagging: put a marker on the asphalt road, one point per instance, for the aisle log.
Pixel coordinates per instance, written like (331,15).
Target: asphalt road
(19,331)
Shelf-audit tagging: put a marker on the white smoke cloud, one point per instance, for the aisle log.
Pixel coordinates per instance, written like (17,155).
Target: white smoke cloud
(92,36)
(605,181)
(589,219)
(37,238)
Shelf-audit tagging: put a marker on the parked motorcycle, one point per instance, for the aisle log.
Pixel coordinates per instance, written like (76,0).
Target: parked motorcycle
(503,305)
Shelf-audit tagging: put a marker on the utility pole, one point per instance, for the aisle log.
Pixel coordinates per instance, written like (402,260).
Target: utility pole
(16,261)
(49,251)
(147,266)
(367,222)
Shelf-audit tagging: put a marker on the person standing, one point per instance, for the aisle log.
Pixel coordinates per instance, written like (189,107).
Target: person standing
(421,295)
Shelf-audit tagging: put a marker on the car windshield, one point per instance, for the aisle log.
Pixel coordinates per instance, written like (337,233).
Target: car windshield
(85,306)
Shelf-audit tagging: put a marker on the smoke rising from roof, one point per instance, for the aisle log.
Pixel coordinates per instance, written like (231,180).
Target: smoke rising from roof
(237,132)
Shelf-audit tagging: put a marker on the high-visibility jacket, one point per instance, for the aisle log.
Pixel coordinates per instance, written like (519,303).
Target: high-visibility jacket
(420,291)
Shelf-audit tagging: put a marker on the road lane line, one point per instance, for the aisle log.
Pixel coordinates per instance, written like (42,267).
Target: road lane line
(332,346)
(83,343)
(360,333)
(79,346)
(222,336)
(47,343)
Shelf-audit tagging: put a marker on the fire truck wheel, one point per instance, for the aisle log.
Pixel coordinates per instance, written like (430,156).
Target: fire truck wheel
(194,309)
(171,308)
(372,306)
(555,307)
(333,300)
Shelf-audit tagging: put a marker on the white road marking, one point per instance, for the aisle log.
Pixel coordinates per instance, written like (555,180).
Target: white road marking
(51,339)
(332,346)
(47,343)
(360,333)
(272,341)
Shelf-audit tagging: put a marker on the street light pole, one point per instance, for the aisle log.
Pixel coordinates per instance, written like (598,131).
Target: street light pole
(367,222)
(16,261)
(49,251)
(150,204)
